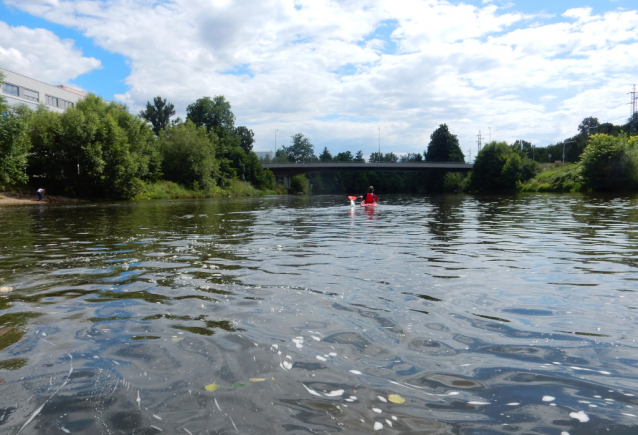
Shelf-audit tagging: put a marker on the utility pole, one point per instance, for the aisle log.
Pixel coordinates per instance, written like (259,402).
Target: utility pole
(632,101)
(379,145)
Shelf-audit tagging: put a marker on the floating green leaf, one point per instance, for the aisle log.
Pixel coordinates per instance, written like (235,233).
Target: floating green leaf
(257,379)
(241,384)
(211,387)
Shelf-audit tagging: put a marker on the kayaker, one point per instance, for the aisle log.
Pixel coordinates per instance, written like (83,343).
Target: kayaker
(369,197)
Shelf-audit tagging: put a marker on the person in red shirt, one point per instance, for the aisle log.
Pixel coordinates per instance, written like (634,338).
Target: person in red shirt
(369,197)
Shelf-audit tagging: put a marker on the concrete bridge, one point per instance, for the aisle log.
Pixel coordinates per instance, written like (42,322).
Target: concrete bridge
(284,171)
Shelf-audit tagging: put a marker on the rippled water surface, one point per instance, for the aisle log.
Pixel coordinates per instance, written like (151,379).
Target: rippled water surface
(296,315)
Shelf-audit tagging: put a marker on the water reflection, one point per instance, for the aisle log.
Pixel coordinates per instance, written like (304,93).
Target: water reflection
(442,314)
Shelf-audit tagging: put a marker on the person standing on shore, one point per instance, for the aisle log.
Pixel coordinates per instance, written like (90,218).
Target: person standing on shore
(40,192)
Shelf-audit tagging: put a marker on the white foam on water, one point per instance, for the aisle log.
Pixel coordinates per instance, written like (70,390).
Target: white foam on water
(378,426)
(580,416)
(512,404)
(315,338)
(320,358)
(474,402)
(377,410)
(356,372)
(548,398)
(383,399)
(310,390)
(335,393)
(388,422)
(628,415)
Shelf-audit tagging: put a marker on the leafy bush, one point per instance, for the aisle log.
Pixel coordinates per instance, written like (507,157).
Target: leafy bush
(610,163)
(499,168)
(299,183)
(14,147)
(188,155)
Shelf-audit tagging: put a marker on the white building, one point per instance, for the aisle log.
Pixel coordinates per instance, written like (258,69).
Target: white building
(18,89)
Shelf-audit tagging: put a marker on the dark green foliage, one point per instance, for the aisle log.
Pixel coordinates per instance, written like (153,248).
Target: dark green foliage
(94,149)
(325,155)
(14,146)
(246,138)
(158,114)
(385,158)
(300,150)
(499,168)
(610,163)
(444,147)
(344,157)
(587,125)
(188,155)
(299,184)
(213,113)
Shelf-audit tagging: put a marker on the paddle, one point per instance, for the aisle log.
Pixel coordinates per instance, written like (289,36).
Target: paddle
(352,198)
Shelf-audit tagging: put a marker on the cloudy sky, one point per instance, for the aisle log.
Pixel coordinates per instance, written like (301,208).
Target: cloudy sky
(340,71)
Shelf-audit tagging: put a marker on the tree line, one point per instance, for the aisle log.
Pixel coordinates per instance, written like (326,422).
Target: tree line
(98,149)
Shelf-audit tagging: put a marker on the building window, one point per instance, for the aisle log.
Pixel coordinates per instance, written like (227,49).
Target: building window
(10,89)
(52,101)
(30,95)
(65,104)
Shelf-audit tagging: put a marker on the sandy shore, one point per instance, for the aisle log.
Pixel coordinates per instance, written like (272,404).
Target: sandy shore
(16,198)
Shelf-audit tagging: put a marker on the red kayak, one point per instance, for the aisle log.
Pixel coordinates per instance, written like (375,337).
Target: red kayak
(368,204)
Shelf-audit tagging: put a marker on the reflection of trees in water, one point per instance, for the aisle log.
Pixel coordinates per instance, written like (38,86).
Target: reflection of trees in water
(445,220)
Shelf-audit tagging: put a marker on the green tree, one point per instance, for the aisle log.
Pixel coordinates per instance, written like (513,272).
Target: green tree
(325,156)
(358,158)
(188,153)
(213,113)
(300,150)
(246,138)
(345,156)
(94,149)
(444,146)
(610,163)
(499,168)
(14,146)
(158,114)
(587,125)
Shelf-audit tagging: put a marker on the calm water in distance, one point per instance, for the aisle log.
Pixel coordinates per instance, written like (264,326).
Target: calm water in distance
(302,315)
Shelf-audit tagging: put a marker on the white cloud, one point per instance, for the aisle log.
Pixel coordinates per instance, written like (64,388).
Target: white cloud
(329,69)
(40,54)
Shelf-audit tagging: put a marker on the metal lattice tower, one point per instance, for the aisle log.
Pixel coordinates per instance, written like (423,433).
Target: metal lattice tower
(479,141)
(633,101)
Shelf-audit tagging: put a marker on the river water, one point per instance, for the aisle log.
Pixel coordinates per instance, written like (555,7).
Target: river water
(299,315)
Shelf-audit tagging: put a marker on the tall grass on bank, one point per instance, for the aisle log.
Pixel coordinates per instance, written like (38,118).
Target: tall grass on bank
(555,177)
(171,190)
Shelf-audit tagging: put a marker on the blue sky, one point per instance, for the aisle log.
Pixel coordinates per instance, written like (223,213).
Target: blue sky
(338,71)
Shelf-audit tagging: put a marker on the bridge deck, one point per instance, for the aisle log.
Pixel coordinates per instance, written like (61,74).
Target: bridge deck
(290,169)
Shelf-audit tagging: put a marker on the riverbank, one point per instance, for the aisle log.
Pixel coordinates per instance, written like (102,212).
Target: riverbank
(157,190)
(22,198)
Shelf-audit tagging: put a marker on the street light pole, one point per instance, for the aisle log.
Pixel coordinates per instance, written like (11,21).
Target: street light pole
(275,144)
(379,145)
(565,143)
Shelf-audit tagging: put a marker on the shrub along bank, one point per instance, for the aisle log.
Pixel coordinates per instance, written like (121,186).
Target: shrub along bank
(100,150)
